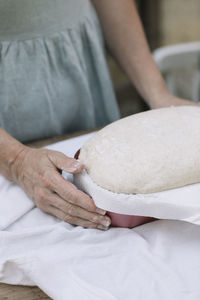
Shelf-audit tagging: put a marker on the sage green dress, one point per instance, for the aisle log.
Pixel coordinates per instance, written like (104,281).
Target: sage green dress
(53,73)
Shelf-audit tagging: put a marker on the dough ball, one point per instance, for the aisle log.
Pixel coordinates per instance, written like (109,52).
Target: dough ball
(147,152)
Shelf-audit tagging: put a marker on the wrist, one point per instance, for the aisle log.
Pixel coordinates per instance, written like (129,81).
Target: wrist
(167,99)
(9,151)
(16,163)
(161,98)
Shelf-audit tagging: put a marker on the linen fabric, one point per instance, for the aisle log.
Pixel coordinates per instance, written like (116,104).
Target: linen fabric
(177,204)
(53,72)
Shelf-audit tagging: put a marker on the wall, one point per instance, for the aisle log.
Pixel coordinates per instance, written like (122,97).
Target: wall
(179,21)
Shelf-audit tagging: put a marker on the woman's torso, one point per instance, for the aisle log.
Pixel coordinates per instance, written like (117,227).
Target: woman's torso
(53,72)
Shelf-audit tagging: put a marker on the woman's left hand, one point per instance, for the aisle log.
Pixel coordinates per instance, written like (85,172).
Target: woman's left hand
(166,99)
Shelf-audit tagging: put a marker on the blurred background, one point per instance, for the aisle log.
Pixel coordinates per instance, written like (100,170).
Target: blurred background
(166,22)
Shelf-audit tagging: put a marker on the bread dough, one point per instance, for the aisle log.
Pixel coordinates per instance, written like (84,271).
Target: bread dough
(147,152)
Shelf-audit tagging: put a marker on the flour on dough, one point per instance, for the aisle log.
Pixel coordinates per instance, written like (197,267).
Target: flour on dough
(147,152)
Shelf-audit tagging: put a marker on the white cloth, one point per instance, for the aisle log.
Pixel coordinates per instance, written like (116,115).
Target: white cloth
(181,204)
(159,260)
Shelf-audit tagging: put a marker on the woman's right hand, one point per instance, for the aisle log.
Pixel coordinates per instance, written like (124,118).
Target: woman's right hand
(38,171)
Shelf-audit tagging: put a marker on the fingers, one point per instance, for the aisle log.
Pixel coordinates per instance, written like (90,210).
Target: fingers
(76,211)
(73,220)
(67,191)
(64,162)
(55,195)
(45,197)
(61,198)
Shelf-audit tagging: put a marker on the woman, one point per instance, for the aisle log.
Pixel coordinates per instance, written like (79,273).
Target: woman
(54,79)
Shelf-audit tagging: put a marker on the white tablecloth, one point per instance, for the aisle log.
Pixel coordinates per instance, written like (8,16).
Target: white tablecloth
(159,260)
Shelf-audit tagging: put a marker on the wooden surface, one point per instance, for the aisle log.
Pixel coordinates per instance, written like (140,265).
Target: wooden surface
(43,143)
(13,292)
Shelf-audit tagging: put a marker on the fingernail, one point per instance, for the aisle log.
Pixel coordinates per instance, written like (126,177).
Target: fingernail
(105,222)
(73,167)
(102,227)
(101,211)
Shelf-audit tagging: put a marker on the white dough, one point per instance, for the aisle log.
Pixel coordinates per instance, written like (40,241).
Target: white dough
(147,152)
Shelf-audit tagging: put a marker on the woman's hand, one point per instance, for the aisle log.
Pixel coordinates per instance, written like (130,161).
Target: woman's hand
(38,172)
(166,99)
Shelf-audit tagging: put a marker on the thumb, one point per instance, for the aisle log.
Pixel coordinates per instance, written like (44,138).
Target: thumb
(65,163)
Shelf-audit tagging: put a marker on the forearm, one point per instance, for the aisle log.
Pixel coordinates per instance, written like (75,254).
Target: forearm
(126,40)
(10,149)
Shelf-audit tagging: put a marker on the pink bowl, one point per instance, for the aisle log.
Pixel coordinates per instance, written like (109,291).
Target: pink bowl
(128,221)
